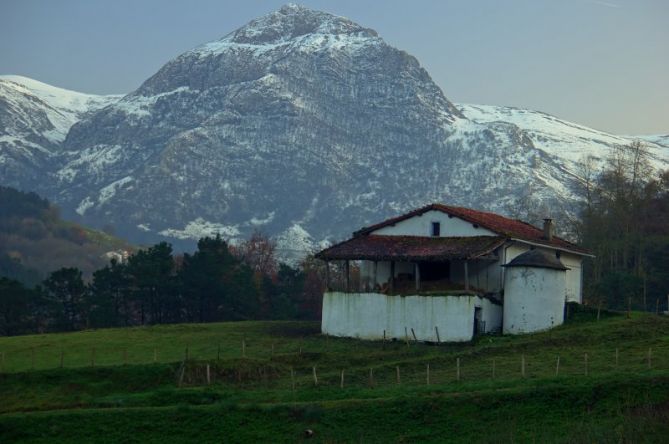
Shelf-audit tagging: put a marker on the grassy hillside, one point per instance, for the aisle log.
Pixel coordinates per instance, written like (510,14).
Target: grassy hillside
(34,240)
(135,385)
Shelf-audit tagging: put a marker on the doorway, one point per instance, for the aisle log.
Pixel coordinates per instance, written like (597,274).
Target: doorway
(479,325)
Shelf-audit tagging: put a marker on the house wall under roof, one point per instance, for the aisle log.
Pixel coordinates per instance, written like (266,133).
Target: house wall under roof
(422,226)
(492,274)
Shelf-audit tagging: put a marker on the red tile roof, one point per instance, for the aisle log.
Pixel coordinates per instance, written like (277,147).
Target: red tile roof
(503,226)
(411,248)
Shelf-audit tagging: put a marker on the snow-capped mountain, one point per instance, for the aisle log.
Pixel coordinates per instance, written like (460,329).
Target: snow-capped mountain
(568,141)
(303,125)
(34,121)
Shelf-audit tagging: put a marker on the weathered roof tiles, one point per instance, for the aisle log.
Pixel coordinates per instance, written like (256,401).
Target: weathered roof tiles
(412,248)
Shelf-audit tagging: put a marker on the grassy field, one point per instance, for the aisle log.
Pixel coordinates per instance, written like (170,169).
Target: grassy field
(150,384)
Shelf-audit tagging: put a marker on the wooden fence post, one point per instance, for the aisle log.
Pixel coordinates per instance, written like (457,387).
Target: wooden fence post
(208,375)
(557,366)
(457,369)
(341,381)
(371,377)
(427,376)
(313,369)
(437,331)
(397,370)
(585,359)
(183,373)
(414,335)
(599,308)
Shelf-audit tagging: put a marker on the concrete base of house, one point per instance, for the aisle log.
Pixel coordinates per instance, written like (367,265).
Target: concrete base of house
(432,318)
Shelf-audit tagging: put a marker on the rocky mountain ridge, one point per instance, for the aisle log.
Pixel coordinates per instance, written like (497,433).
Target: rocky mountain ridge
(34,121)
(303,125)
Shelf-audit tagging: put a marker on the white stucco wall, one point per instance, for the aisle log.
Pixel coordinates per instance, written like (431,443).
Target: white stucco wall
(492,316)
(367,315)
(573,284)
(533,299)
(422,226)
(486,274)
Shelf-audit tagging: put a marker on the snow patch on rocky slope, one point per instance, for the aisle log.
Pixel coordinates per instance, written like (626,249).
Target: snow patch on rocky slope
(302,124)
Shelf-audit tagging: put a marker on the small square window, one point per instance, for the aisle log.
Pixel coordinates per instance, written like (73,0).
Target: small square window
(436,229)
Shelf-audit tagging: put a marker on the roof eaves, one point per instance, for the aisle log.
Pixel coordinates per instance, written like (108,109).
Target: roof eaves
(555,247)
(492,247)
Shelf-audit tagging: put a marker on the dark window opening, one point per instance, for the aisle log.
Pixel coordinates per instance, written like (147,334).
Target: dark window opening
(436,229)
(558,253)
(435,271)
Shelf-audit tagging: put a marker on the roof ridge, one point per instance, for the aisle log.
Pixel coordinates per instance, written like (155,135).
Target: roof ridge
(499,224)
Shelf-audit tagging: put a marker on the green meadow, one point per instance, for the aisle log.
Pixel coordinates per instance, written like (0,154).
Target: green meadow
(272,381)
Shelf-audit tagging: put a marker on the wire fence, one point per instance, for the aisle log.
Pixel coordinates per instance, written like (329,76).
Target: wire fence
(294,365)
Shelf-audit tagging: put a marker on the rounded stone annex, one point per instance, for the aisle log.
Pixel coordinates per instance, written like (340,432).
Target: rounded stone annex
(537,259)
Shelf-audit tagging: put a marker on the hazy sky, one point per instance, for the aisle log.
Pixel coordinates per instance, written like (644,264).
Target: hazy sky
(602,63)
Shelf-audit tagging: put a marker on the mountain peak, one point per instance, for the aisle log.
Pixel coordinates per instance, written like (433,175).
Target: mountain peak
(292,21)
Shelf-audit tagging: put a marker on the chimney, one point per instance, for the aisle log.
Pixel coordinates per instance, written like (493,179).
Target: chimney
(548,229)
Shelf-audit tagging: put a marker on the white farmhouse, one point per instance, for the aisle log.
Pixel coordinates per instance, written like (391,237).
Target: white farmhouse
(443,273)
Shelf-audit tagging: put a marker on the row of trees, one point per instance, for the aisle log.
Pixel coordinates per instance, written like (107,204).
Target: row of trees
(625,223)
(218,282)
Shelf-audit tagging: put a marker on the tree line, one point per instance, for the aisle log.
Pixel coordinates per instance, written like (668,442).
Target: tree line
(624,222)
(218,282)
